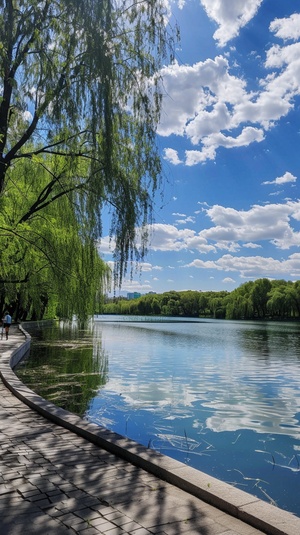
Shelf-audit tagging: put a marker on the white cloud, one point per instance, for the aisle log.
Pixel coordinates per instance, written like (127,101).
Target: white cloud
(228,280)
(214,141)
(171,156)
(252,266)
(230,15)
(275,193)
(146,266)
(187,219)
(230,246)
(106,245)
(227,229)
(211,107)
(271,222)
(194,89)
(251,245)
(288,28)
(193,157)
(285,179)
(27,115)
(200,244)
(135,286)
(168,238)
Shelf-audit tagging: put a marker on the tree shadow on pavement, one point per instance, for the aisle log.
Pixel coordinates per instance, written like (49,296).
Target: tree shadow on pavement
(55,482)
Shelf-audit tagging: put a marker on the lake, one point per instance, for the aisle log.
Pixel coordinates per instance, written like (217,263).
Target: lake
(220,396)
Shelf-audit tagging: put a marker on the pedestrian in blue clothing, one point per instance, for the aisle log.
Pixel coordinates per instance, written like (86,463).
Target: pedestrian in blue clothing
(6,323)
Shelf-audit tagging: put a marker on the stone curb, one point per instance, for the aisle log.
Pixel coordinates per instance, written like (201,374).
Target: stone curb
(244,506)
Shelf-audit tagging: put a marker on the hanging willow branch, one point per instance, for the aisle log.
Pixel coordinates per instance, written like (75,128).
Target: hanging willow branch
(80,102)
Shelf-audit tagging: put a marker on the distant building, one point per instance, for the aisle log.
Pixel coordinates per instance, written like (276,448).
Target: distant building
(133,295)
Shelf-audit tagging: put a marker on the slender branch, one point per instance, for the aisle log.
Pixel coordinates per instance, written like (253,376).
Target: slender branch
(33,243)
(15,281)
(42,201)
(30,130)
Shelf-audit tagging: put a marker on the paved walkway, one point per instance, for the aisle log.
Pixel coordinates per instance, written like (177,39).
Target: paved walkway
(53,481)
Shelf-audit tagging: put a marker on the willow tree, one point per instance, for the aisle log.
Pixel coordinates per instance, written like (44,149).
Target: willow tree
(80,84)
(49,264)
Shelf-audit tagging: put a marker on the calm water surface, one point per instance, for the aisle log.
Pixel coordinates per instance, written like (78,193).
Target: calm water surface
(223,397)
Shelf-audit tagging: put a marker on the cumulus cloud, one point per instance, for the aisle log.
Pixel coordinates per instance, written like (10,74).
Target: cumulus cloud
(271,222)
(27,115)
(230,15)
(195,89)
(251,245)
(135,286)
(227,229)
(228,280)
(210,106)
(185,220)
(252,266)
(285,179)
(106,245)
(287,29)
(171,156)
(169,238)
(146,266)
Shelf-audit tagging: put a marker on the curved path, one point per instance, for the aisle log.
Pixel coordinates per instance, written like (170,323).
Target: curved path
(60,475)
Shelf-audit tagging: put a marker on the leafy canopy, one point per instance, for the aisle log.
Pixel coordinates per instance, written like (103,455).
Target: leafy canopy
(80,101)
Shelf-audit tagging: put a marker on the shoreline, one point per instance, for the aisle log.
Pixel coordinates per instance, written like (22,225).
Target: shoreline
(223,496)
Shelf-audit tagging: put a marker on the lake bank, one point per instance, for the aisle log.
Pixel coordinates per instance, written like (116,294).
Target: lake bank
(223,399)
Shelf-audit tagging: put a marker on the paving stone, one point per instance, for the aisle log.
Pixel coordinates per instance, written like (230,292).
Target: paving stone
(123,521)
(37,497)
(100,521)
(4,490)
(80,527)
(141,531)
(114,531)
(90,531)
(113,516)
(87,514)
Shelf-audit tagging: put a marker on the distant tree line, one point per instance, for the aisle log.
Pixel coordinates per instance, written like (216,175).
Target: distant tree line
(260,299)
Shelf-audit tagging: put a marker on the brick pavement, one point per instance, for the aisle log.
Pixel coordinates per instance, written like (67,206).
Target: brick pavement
(53,481)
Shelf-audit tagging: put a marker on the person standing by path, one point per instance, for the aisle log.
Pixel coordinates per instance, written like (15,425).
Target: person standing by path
(7,323)
(2,326)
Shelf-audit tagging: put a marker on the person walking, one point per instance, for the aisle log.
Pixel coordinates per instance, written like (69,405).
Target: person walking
(2,326)
(7,323)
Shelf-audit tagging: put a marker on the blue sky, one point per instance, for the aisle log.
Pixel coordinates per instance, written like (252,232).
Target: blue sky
(229,138)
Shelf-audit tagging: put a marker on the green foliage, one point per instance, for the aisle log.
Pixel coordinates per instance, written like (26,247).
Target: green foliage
(48,266)
(260,299)
(80,101)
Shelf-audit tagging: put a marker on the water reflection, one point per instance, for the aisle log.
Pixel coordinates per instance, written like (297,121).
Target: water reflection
(160,368)
(65,365)
(221,396)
